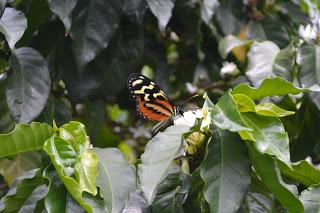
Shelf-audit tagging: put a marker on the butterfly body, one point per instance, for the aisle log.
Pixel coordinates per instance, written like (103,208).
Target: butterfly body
(152,103)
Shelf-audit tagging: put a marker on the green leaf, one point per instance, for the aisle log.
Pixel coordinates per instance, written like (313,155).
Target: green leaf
(309,55)
(271,87)
(63,9)
(24,186)
(13,23)
(157,159)
(268,134)
(116,180)
(29,86)
(268,171)
(207,8)
(284,62)
(56,199)
(246,104)
(226,173)
(75,133)
(6,121)
(63,157)
(25,137)
(172,192)
(225,114)
(302,172)
(261,57)
(136,203)
(227,44)
(259,199)
(93,25)
(86,171)
(11,169)
(310,199)
(2,6)
(162,9)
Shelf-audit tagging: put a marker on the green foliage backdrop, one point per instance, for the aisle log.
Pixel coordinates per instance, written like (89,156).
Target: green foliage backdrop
(71,140)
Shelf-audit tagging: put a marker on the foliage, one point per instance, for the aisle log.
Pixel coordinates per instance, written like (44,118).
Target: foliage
(71,142)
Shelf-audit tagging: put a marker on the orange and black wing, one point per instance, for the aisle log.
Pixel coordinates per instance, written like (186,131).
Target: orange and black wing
(152,102)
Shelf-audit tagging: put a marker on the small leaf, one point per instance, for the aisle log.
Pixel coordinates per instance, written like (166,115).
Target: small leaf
(225,114)
(13,23)
(116,180)
(137,203)
(246,104)
(162,9)
(75,133)
(272,87)
(230,42)
(226,173)
(261,57)
(11,169)
(269,173)
(309,56)
(21,189)
(6,121)
(63,9)
(86,171)
(29,86)
(157,159)
(25,137)
(310,199)
(302,172)
(284,62)
(207,8)
(93,26)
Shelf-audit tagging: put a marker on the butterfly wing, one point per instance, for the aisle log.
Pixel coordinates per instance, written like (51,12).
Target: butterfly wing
(152,102)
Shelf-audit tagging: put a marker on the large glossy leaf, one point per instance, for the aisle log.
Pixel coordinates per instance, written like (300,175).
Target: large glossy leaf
(13,23)
(229,43)
(29,86)
(116,180)
(310,199)
(63,9)
(261,57)
(225,114)
(56,199)
(162,9)
(226,172)
(272,87)
(172,192)
(63,157)
(11,169)
(134,9)
(34,201)
(157,159)
(268,171)
(25,137)
(309,74)
(23,189)
(268,134)
(93,25)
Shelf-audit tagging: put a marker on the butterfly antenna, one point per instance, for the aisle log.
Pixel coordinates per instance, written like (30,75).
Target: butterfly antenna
(194,96)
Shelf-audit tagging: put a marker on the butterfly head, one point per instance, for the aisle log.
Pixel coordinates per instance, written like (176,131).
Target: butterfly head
(178,111)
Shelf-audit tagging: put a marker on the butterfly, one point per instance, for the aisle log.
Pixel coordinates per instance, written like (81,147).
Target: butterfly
(152,103)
